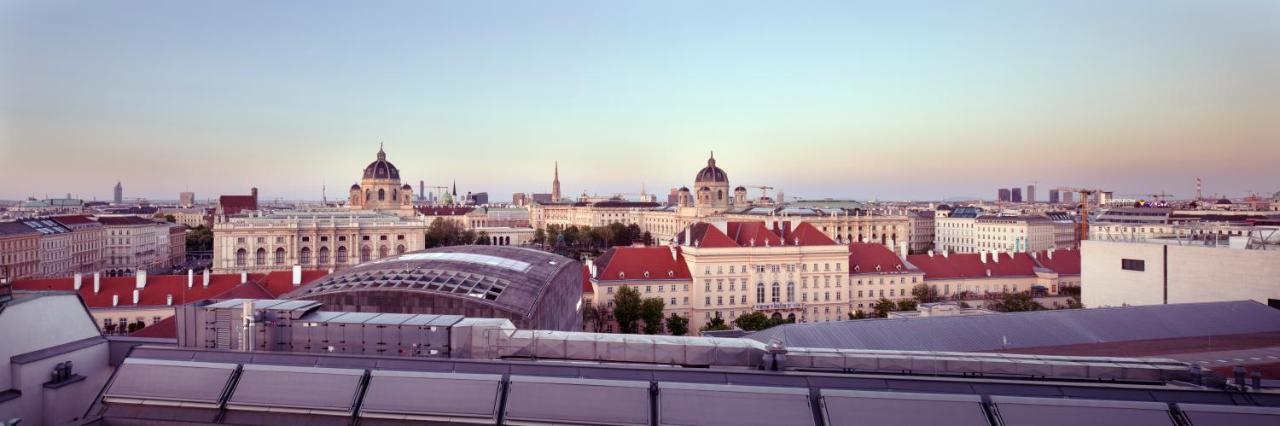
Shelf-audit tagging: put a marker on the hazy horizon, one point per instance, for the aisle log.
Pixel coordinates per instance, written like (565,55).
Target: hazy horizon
(860,100)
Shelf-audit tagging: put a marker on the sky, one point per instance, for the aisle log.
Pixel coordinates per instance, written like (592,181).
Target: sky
(909,100)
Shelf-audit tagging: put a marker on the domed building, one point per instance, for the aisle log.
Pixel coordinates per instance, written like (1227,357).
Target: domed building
(532,288)
(712,187)
(380,188)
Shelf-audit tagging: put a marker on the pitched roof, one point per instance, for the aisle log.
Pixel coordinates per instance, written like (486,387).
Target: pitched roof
(631,263)
(755,234)
(704,234)
(748,234)
(865,257)
(234,204)
(445,211)
(124,220)
(970,265)
(75,219)
(1064,262)
(159,287)
(280,282)
(165,329)
(806,235)
(586,280)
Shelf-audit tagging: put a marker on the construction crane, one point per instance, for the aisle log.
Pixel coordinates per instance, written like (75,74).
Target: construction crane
(1083,232)
(764,189)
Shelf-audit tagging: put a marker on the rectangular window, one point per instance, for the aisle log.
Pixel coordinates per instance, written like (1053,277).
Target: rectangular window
(1133,264)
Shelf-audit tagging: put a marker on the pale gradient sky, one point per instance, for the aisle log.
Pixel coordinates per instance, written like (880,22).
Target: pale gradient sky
(914,100)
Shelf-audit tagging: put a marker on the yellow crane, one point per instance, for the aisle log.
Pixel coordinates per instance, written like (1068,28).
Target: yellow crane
(1082,232)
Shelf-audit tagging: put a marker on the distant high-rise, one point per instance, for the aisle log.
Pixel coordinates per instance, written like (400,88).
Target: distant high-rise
(186,199)
(1053,196)
(1015,195)
(1031,193)
(555,185)
(519,199)
(1003,195)
(422,189)
(119,194)
(1068,197)
(480,198)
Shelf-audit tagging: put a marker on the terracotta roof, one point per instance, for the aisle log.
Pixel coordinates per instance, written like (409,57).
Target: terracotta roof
(445,211)
(706,235)
(865,257)
(76,219)
(124,220)
(156,292)
(280,282)
(1064,262)
(586,280)
(745,234)
(165,329)
(806,235)
(631,263)
(969,265)
(234,204)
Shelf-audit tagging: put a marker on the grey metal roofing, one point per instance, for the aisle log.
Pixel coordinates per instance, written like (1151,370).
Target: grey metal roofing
(15,228)
(1071,412)
(433,388)
(513,278)
(262,387)
(53,351)
(844,407)
(1202,414)
(1031,329)
(143,380)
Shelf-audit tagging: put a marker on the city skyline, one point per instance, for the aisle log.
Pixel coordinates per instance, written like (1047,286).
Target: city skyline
(842,100)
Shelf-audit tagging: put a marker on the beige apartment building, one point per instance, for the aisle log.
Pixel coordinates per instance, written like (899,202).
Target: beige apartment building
(1014,233)
(132,243)
(19,251)
(332,238)
(87,242)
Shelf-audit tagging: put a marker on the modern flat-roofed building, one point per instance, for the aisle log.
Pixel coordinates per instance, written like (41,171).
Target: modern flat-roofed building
(1180,270)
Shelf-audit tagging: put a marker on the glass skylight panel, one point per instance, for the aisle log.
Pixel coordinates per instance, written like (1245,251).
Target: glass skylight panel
(480,259)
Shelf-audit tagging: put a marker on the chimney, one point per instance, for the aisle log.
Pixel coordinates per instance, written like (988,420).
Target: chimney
(688,235)
(191,278)
(945,253)
(141,279)
(97,284)
(982,255)
(297,275)
(902,250)
(674,254)
(168,300)
(244,277)
(206,279)
(76,283)
(115,300)
(995,255)
(930,253)
(135,295)
(1049,254)
(254,192)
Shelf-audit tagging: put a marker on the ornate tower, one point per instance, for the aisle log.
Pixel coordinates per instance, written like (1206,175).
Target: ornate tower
(555,185)
(712,188)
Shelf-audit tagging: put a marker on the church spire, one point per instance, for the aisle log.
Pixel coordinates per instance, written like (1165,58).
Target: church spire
(555,185)
(382,155)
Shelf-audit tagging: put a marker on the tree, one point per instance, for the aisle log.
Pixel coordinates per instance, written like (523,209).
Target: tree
(753,321)
(647,239)
(907,305)
(883,307)
(199,238)
(677,325)
(634,235)
(857,315)
(628,309)
(539,236)
(169,218)
(651,313)
(1016,302)
(620,234)
(716,324)
(444,233)
(483,239)
(925,293)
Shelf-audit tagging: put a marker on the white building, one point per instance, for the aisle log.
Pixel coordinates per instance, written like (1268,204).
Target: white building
(38,332)
(1164,271)
(1015,234)
(956,231)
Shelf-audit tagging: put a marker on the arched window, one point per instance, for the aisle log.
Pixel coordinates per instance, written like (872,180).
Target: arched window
(720,194)
(368,194)
(382,252)
(324,256)
(791,292)
(364,253)
(279,256)
(777,293)
(342,255)
(382,195)
(241,257)
(304,256)
(260,257)
(400,249)
(759,292)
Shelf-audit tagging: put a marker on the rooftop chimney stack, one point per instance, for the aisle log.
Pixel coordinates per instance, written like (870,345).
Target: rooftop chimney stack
(902,250)
(297,275)
(78,279)
(930,253)
(191,278)
(96,283)
(244,277)
(995,256)
(673,253)
(168,300)
(136,293)
(206,279)
(982,255)
(1049,254)
(141,279)
(115,300)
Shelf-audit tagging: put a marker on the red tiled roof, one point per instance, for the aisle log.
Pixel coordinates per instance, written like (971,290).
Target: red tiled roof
(234,204)
(280,282)
(865,257)
(75,219)
(165,329)
(1064,262)
(746,234)
(156,292)
(706,235)
(806,235)
(586,280)
(124,220)
(631,263)
(969,265)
